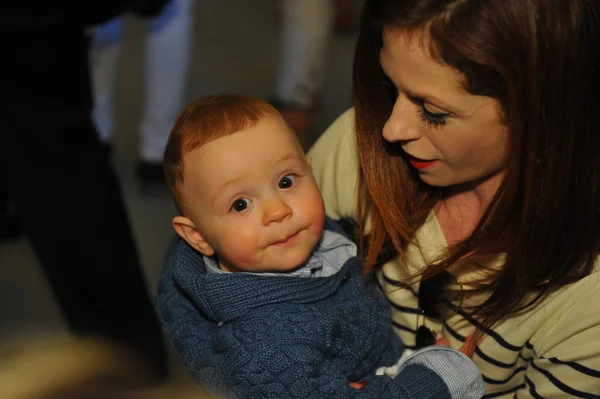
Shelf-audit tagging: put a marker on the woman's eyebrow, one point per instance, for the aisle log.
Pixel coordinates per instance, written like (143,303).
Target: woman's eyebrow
(427,98)
(430,99)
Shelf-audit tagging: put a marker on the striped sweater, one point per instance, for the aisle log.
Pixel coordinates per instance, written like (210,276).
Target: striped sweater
(551,351)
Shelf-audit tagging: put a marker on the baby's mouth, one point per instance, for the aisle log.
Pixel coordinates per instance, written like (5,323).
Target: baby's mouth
(287,240)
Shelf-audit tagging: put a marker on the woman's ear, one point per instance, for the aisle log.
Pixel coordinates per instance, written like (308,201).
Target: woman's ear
(190,233)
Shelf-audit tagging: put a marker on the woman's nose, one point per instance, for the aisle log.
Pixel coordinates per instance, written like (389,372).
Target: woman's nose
(403,123)
(275,210)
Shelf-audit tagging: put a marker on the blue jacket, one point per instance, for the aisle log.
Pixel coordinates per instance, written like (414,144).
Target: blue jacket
(253,336)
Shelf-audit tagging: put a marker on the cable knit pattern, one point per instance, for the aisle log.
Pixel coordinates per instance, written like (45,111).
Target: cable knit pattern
(252,336)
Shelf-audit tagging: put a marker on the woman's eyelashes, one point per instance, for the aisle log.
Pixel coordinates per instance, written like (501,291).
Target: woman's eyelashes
(430,119)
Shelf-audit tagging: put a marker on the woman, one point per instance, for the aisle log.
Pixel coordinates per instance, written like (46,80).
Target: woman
(470,165)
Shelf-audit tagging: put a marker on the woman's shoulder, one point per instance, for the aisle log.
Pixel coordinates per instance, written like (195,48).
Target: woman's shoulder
(341,129)
(584,291)
(335,167)
(336,147)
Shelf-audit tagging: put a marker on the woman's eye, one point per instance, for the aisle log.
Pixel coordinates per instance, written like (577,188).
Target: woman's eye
(432,119)
(287,181)
(240,204)
(392,89)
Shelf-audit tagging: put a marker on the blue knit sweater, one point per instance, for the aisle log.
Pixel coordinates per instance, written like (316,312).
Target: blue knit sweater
(252,336)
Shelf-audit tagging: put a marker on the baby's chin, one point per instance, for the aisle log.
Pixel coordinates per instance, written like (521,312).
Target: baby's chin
(288,263)
(293,263)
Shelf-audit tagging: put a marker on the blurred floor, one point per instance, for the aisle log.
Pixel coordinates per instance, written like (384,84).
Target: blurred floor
(235,51)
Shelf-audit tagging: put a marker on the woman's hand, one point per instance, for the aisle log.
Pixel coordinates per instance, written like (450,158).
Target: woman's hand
(468,348)
(357,385)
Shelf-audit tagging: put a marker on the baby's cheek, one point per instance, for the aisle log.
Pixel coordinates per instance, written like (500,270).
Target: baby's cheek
(319,224)
(244,259)
(242,248)
(318,215)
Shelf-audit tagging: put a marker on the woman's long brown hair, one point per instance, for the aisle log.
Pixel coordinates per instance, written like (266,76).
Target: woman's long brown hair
(540,60)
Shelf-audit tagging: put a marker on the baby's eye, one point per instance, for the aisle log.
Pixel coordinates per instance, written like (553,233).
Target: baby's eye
(287,181)
(240,204)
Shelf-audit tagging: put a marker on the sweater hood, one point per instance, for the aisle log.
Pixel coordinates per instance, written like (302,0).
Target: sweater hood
(225,297)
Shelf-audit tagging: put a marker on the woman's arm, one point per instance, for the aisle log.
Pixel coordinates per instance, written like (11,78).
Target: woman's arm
(567,360)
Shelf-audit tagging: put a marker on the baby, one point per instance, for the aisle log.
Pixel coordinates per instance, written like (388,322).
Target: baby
(262,295)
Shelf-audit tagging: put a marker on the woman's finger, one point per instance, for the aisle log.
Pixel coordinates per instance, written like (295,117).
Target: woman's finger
(468,348)
(357,385)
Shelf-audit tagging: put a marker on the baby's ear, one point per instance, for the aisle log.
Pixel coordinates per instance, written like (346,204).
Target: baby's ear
(309,160)
(190,233)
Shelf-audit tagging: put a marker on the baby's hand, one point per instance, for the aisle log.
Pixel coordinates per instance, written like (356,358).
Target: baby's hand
(468,348)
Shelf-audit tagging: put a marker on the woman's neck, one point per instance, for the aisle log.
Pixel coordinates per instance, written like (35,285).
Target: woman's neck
(461,209)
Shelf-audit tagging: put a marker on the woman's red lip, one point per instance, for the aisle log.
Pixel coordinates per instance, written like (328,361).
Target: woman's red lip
(422,164)
(419,163)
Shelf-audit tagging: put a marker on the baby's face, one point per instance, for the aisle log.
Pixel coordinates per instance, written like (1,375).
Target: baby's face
(253,197)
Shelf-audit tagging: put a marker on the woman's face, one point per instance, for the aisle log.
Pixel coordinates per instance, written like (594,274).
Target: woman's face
(448,135)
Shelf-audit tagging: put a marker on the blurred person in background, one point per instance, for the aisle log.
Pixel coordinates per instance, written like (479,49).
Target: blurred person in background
(306,33)
(59,177)
(167,57)
(307,26)
(346,15)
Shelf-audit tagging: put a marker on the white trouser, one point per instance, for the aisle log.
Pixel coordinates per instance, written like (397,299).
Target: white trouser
(166,63)
(307,27)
